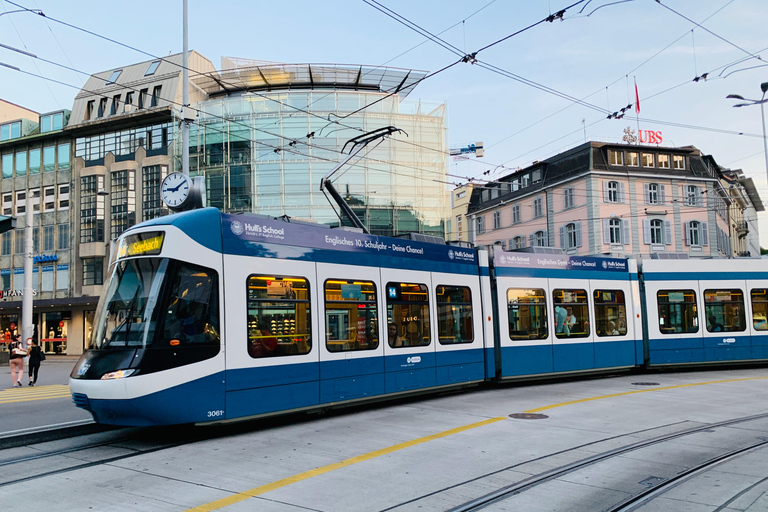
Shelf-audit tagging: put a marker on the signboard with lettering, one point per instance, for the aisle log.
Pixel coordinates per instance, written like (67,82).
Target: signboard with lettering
(556,261)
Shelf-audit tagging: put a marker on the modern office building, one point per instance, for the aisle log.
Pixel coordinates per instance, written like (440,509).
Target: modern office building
(616,199)
(266,134)
(263,136)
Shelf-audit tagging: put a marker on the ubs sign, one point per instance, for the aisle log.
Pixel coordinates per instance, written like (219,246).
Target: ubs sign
(650,137)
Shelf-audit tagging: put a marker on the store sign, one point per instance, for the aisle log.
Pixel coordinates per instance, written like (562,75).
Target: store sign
(8,294)
(45,257)
(650,137)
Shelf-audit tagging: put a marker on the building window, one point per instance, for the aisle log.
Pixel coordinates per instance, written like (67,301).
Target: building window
(7,243)
(63,156)
(408,315)
(678,162)
(93,271)
(527,314)
(351,315)
(454,315)
(48,238)
(155,96)
(677,311)
(692,195)
(10,131)
(49,199)
(538,207)
(34,161)
(518,242)
(615,157)
(64,197)
(89,110)
(648,160)
(568,201)
(279,321)
(18,241)
(570,235)
(656,232)
(113,77)
(459,226)
(760,308)
(539,239)
(49,158)
(122,201)
(613,231)
(633,159)
(480,225)
(663,161)
(654,193)
(496,220)
(114,108)
(102,107)
(63,237)
(21,202)
(21,163)
(516,214)
(34,199)
(128,102)
(613,192)
(152,68)
(7,163)
(91,209)
(696,233)
(143,98)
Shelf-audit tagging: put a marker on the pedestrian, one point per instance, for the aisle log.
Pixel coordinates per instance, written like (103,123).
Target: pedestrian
(16,360)
(35,354)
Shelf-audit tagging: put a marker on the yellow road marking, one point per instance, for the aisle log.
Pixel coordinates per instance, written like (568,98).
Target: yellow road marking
(28,394)
(562,404)
(256,491)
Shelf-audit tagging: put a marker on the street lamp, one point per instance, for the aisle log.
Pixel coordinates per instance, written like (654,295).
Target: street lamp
(761,102)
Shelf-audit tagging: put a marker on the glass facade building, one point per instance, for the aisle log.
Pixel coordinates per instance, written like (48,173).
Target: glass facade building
(266,135)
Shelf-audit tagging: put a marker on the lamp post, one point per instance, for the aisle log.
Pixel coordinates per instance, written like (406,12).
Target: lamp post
(761,102)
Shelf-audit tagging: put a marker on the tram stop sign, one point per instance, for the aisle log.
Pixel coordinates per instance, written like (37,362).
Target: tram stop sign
(7,223)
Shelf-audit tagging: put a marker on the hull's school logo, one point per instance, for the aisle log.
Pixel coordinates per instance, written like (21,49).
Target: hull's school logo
(237,228)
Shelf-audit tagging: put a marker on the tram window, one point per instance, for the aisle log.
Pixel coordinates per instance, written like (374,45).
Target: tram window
(454,315)
(527,314)
(724,310)
(760,309)
(279,322)
(677,311)
(610,312)
(351,317)
(192,314)
(571,313)
(407,315)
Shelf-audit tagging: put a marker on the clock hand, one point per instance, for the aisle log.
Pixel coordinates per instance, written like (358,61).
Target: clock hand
(174,189)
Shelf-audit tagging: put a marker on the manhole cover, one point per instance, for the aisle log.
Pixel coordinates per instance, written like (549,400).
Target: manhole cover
(645,383)
(528,416)
(652,481)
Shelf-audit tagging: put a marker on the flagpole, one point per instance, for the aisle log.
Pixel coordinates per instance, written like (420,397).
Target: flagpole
(637,109)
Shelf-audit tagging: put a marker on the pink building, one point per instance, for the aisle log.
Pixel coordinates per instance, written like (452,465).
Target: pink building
(601,198)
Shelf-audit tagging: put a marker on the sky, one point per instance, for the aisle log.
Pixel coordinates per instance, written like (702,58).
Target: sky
(536,89)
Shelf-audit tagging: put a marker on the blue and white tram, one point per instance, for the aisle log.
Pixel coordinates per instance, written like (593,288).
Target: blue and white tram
(566,314)
(706,311)
(210,317)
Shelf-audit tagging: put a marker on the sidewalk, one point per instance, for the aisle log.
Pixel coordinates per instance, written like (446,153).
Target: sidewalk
(54,370)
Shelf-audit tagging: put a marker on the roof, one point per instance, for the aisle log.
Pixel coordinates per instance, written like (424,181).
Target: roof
(270,77)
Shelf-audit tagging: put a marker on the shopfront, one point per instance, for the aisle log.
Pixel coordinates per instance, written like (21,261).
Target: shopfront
(62,326)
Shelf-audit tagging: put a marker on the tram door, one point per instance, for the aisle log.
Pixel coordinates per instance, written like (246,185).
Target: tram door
(573,345)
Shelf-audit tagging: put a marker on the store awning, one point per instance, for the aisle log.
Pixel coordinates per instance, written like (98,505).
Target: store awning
(7,223)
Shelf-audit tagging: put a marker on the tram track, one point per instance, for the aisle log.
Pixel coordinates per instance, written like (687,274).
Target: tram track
(629,503)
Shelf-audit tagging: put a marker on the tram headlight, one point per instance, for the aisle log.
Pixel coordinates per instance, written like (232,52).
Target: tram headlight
(119,374)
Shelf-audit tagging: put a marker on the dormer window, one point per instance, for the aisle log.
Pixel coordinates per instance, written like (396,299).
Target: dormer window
(113,77)
(152,68)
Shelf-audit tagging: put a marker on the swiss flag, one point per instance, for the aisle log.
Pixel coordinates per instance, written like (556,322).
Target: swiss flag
(637,99)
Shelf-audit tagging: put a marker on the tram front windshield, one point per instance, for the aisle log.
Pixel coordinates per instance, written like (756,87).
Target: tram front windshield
(157,301)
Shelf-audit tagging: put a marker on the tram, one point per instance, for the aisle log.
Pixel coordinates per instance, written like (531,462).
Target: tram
(214,317)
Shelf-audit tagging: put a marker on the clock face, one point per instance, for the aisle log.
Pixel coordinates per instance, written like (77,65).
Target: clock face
(175,189)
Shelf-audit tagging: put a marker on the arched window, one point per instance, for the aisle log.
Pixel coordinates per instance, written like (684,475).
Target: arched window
(614,226)
(540,239)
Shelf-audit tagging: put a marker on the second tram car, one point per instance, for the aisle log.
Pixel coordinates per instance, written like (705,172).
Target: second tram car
(211,317)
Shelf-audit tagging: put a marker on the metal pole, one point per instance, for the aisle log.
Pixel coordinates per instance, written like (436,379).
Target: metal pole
(765,141)
(27,327)
(185,101)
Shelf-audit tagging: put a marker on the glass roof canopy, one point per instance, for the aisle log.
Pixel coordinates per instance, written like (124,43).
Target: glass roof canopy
(274,77)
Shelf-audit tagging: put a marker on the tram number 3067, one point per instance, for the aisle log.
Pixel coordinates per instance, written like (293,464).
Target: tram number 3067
(215,414)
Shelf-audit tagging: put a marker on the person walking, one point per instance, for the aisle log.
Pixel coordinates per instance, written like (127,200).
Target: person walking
(16,360)
(35,354)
